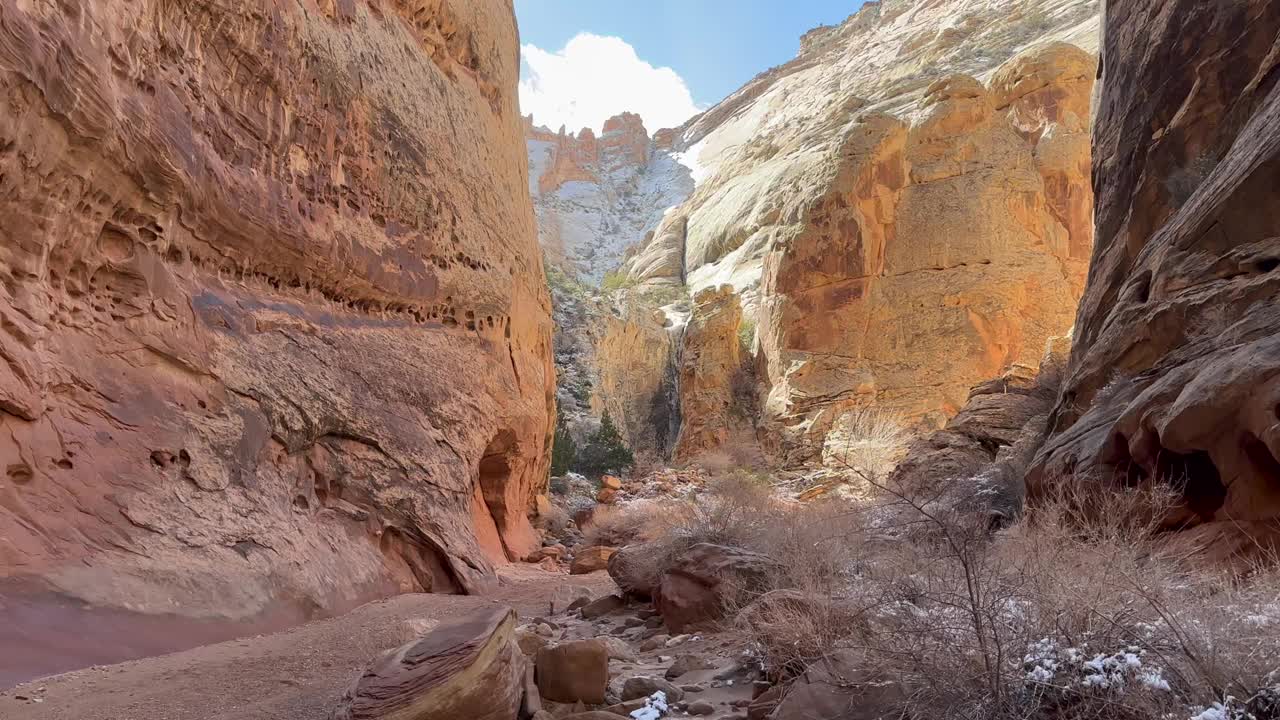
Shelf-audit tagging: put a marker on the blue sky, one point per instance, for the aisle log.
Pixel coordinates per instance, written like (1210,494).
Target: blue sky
(713,47)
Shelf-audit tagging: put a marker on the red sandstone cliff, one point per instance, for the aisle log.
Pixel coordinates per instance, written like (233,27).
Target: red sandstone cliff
(273,324)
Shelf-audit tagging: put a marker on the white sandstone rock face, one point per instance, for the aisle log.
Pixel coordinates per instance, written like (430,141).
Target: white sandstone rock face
(904,208)
(595,197)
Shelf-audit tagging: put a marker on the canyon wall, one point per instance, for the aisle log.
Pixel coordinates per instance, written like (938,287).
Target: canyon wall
(597,196)
(273,323)
(904,208)
(1174,376)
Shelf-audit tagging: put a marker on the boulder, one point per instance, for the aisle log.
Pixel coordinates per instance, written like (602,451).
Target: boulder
(693,590)
(470,668)
(530,641)
(552,552)
(632,572)
(619,649)
(607,496)
(1174,377)
(569,597)
(685,664)
(602,606)
(591,559)
(611,482)
(701,707)
(576,671)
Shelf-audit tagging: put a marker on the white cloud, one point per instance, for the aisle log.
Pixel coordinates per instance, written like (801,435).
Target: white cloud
(594,78)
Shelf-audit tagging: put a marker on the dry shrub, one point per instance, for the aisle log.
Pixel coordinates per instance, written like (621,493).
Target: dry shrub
(636,522)
(866,439)
(1072,613)
(1079,610)
(554,521)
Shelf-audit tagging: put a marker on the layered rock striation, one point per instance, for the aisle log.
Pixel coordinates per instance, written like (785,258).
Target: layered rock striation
(596,196)
(273,324)
(903,210)
(1174,377)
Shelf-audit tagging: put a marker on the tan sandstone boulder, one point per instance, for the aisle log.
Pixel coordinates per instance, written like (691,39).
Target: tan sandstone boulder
(471,668)
(591,559)
(576,671)
(1174,377)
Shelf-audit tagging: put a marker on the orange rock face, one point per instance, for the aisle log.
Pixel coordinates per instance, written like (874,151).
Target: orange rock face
(711,363)
(1174,376)
(273,324)
(962,236)
(582,157)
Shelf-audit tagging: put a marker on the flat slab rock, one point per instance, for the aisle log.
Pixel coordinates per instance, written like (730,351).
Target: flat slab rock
(469,668)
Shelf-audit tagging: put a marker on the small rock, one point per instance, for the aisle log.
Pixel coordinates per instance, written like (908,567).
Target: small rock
(694,688)
(676,640)
(603,606)
(654,643)
(701,707)
(529,641)
(642,686)
(686,664)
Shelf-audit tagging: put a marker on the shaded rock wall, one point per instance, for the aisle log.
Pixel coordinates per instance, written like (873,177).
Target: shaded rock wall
(635,363)
(1175,371)
(711,373)
(273,325)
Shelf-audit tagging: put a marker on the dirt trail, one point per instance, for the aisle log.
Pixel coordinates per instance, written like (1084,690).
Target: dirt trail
(296,674)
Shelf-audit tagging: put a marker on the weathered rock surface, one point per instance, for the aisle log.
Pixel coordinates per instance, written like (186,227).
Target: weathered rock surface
(273,323)
(1175,371)
(632,572)
(596,196)
(979,459)
(471,668)
(696,587)
(635,363)
(574,671)
(840,687)
(592,559)
(935,255)
(711,372)
(903,209)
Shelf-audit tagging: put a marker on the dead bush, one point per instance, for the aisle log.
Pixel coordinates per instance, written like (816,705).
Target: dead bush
(867,439)
(1072,613)
(553,521)
(637,522)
